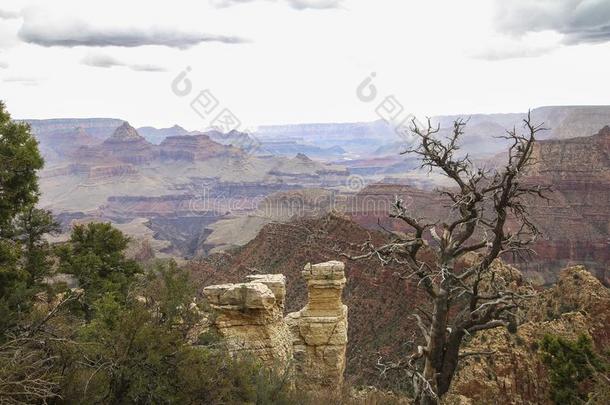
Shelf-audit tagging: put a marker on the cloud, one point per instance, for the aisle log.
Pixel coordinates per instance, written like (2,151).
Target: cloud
(107,61)
(579,21)
(498,53)
(78,33)
(147,68)
(530,45)
(296,4)
(99,60)
(228,3)
(25,81)
(315,4)
(7,15)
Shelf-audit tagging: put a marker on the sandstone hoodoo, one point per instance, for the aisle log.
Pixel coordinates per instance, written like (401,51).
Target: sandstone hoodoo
(376,298)
(319,330)
(249,316)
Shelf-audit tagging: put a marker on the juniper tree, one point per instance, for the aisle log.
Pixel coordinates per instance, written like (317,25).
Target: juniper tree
(462,300)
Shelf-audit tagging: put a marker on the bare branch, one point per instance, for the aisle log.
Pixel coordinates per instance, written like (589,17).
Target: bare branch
(483,205)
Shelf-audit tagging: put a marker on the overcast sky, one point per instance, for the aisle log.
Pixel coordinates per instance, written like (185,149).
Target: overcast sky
(291,61)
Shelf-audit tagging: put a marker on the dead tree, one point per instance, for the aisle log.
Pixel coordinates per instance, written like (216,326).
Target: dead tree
(29,370)
(472,298)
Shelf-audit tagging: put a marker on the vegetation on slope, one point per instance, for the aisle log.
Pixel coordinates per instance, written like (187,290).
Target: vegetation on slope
(121,335)
(572,367)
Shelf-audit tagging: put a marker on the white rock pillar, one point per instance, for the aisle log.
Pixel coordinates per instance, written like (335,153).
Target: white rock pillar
(319,330)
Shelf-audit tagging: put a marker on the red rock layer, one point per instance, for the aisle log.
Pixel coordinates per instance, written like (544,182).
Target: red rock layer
(575,221)
(194,147)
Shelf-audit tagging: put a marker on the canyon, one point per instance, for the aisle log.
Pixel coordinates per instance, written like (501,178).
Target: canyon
(244,212)
(192,193)
(180,186)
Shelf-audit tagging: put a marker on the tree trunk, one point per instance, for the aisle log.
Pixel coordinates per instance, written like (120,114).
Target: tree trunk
(450,361)
(435,348)
(427,399)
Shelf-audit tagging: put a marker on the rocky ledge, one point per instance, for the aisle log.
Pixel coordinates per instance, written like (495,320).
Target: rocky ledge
(249,316)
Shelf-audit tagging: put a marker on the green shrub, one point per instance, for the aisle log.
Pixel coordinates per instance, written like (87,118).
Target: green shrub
(95,254)
(572,365)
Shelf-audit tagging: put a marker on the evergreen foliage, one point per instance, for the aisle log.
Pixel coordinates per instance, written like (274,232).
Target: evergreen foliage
(572,365)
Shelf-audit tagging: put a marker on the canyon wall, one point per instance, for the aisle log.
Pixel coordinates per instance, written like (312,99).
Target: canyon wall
(310,344)
(574,220)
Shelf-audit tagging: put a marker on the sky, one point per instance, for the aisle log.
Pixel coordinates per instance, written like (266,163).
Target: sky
(298,61)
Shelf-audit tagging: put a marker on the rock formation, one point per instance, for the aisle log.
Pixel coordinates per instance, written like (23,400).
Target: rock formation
(235,138)
(157,135)
(99,128)
(575,221)
(319,331)
(377,299)
(103,172)
(127,146)
(513,372)
(249,316)
(57,146)
(194,147)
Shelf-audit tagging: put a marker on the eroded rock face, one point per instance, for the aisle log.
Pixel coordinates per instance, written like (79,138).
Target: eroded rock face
(250,319)
(106,172)
(127,146)
(275,282)
(514,372)
(194,147)
(249,316)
